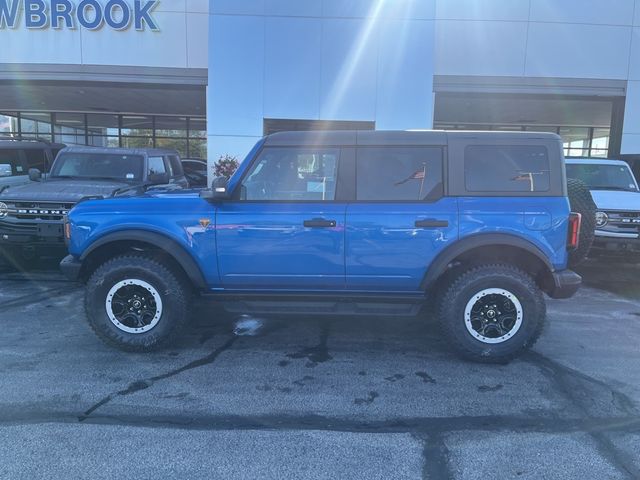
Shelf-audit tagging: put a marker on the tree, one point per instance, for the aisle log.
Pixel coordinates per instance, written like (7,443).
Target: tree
(225,166)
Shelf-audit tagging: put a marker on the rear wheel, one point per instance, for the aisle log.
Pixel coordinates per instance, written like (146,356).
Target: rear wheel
(136,304)
(491,313)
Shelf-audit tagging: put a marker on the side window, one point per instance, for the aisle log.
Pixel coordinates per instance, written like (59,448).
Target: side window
(176,166)
(399,173)
(156,166)
(506,168)
(12,163)
(36,159)
(292,174)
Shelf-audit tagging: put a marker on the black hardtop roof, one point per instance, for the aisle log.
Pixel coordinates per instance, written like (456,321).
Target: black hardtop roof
(121,151)
(6,143)
(394,137)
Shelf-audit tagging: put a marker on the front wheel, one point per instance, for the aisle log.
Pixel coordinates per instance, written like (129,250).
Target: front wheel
(491,313)
(136,304)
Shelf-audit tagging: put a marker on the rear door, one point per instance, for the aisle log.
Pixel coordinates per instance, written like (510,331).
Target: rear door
(400,219)
(286,228)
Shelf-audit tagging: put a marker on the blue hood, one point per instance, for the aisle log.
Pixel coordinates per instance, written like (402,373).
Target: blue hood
(616,200)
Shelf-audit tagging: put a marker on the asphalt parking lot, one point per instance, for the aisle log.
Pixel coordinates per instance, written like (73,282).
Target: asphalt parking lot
(357,398)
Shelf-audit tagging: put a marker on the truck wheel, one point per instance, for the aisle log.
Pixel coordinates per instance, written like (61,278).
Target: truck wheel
(491,313)
(582,202)
(136,304)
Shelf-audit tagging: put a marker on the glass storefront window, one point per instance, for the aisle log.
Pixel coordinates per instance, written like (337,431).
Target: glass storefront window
(171,127)
(137,126)
(103,141)
(198,148)
(69,128)
(137,142)
(35,123)
(179,144)
(197,128)
(187,135)
(8,124)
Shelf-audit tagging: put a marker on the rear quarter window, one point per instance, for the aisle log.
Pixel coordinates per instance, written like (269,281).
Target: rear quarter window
(399,174)
(506,168)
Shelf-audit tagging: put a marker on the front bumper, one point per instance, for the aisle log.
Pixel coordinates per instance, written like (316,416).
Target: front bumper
(606,242)
(71,267)
(565,284)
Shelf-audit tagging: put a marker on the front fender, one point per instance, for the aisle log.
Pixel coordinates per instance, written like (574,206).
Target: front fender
(163,242)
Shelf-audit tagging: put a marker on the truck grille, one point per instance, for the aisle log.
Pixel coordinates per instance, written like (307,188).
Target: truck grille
(623,222)
(36,211)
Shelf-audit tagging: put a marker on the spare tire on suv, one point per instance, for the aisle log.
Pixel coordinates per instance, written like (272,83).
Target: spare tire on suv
(582,202)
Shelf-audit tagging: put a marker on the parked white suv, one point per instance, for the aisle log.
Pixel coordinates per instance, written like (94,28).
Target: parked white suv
(615,191)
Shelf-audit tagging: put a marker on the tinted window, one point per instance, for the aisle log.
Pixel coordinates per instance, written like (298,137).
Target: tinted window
(176,166)
(399,173)
(37,159)
(12,163)
(292,174)
(506,168)
(603,177)
(98,165)
(196,173)
(156,165)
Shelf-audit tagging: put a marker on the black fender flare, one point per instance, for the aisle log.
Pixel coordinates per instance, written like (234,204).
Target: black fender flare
(163,242)
(444,258)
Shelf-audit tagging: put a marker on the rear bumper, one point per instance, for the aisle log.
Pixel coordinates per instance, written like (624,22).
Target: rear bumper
(565,284)
(70,267)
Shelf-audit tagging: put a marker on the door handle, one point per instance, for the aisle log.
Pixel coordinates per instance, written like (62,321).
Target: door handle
(431,223)
(319,223)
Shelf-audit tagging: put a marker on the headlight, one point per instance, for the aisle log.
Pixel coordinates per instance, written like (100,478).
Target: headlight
(601,219)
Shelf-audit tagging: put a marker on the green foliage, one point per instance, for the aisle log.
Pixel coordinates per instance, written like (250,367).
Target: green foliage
(225,166)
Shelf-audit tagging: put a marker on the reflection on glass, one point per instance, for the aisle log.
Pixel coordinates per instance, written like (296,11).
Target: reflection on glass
(137,125)
(179,144)
(8,124)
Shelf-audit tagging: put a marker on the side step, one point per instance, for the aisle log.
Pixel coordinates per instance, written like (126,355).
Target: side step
(402,306)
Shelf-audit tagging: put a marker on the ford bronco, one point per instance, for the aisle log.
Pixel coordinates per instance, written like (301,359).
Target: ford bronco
(617,201)
(31,215)
(352,223)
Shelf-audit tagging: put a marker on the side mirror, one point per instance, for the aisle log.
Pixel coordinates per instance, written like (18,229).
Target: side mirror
(35,175)
(218,189)
(159,178)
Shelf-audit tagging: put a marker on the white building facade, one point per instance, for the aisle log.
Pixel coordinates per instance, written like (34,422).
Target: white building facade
(145,72)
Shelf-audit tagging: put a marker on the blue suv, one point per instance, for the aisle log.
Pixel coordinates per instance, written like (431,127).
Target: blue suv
(474,225)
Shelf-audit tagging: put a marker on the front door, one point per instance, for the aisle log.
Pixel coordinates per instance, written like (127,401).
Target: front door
(286,228)
(400,219)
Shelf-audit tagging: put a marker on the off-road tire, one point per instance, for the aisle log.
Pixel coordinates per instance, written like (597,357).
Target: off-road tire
(460,291)
(581,201)
(174,293)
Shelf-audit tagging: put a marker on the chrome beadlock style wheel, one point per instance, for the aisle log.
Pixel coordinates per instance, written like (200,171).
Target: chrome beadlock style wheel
(134,306)
(493,315)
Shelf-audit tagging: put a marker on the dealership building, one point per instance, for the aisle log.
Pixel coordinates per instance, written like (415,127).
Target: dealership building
(210,77)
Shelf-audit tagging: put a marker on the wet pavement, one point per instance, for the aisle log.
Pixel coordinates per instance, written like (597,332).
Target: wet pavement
(289,397)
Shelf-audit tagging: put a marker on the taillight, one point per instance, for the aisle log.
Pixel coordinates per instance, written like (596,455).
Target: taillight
(575,219)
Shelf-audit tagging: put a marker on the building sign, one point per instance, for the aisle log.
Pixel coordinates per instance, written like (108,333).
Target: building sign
(71,14)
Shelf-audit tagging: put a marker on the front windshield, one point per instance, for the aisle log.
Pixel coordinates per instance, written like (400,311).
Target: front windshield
(107,166)
(603,177)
